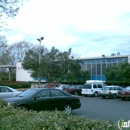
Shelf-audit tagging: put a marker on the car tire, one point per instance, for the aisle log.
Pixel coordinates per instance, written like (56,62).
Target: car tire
(68,109)
(114,96)
(24,107)
(96,94)
(123,98)
(103,97)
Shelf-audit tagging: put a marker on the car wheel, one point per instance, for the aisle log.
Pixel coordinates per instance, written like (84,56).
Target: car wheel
(114,96)
(68,109)
(95,94)
(24,107)
(123,98)
(103,96)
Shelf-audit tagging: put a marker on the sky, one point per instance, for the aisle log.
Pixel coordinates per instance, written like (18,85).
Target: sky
(91,28)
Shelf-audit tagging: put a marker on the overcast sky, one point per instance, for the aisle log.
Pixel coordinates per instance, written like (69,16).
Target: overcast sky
(90,27)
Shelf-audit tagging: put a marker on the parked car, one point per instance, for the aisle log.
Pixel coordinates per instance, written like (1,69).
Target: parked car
(110,91)
(91,88)
(51,85)
(74,89)
(45,99)
(62,86)
(8,92)
(125,93)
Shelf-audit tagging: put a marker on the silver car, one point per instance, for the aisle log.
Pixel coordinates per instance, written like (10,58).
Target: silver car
(62,86)
(8,92)
(110,91)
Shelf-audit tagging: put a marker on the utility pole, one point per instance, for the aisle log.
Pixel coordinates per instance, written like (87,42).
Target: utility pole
(39,78)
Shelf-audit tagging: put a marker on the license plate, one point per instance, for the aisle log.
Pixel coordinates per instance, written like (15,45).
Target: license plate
(123,93)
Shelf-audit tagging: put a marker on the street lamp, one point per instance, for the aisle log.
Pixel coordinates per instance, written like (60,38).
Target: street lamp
(40,40)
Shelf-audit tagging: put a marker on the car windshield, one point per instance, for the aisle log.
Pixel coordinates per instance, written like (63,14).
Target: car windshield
(87,86)
(127,88)
(72,87)
(28,93)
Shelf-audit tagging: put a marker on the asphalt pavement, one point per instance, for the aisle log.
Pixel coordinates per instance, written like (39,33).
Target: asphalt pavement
(104,109)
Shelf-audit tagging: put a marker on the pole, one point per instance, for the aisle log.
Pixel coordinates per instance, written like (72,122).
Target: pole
(39,78)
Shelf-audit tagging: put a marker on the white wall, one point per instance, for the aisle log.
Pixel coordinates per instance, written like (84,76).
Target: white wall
(21,74)
(129,59)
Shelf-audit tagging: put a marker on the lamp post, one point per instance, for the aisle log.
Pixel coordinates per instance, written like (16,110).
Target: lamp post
(40,40)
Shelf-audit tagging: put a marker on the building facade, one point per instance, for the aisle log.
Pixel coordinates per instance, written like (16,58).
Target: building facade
(95,65)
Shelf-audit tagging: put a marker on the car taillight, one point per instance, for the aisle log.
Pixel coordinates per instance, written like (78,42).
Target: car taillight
(109,92)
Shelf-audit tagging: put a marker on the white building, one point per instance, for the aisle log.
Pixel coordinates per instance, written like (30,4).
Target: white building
(21,74)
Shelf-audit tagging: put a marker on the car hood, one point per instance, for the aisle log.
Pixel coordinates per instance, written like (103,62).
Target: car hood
(14,99)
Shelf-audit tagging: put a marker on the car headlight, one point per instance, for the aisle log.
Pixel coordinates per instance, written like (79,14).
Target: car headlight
(11,103)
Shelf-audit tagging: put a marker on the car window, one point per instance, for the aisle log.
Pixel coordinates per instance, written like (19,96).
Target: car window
(28,93)
(94,86)
(4,89)
(73,87)
(120,88)
(87,86)
(106,88)
(104,85)
(57,93)
(112,88)
(99,85)
(44,93)
(117,88)
(127,88)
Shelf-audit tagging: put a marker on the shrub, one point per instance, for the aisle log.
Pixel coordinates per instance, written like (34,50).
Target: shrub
(18,119)
(16,84)
(2,104)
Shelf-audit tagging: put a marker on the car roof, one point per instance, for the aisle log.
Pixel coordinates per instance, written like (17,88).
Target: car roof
(43,88)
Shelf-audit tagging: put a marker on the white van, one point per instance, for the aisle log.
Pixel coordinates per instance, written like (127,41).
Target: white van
(92,87)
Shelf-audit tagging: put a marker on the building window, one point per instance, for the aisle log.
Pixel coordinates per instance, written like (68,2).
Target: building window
(89,68)
(120,60)
(93,69)
(98,69)
(103,68)
(114,60)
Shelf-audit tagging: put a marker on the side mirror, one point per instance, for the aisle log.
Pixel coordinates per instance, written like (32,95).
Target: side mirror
(36,97)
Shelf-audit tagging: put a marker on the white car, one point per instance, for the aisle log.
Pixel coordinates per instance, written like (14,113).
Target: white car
(92,88)
(110,91)
(8,92)
(62,86)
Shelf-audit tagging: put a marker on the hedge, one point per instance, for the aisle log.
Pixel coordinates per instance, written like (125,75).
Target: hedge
(16,84)
(18,119)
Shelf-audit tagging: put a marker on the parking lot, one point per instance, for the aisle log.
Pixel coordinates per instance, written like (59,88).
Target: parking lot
(104,109)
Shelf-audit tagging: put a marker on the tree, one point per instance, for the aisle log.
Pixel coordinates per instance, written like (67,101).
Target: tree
(4,55)
(18,50)
(54,64)
(118,74)
(9,8)
(11,54)
(3,44)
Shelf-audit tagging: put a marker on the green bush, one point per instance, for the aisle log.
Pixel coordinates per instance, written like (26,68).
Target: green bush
(18,119)
(16,84)
(2,104)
